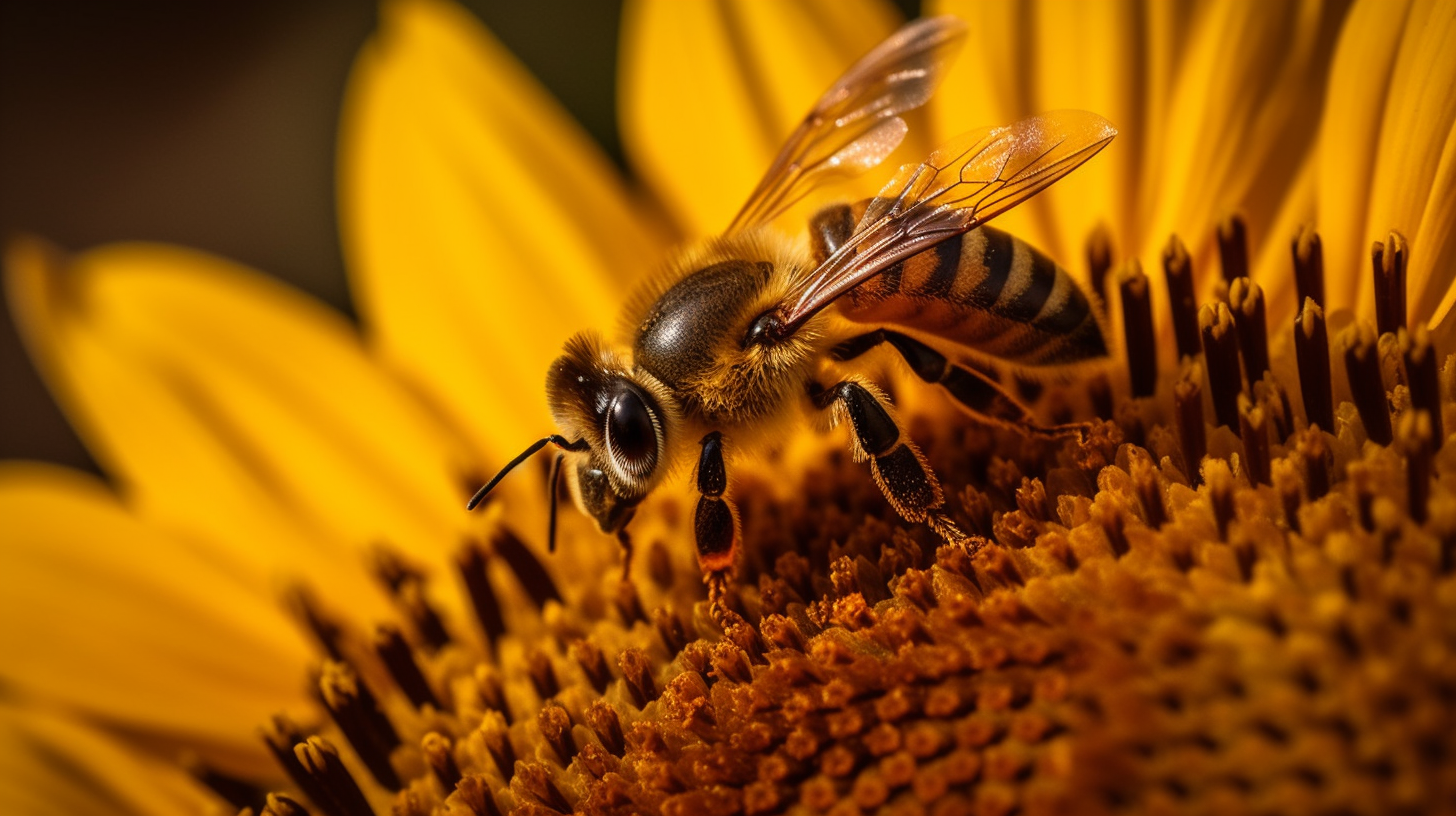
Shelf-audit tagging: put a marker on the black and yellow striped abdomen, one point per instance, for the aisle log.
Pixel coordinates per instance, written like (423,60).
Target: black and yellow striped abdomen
(989,292)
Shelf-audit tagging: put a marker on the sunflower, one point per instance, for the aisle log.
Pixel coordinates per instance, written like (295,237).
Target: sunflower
(1141,628)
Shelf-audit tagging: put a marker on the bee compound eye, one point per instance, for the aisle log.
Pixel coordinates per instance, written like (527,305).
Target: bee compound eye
(632,434)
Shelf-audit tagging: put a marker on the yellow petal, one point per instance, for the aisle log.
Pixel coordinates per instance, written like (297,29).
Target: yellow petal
(51,764)
(482,227)
(710,90)
(1414,189)
(232,408)
(106,616)
(1349,140)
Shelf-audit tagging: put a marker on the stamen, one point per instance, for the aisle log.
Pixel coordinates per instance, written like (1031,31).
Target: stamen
(1314,449)
(555,725)
(1220,485)
(279,805)
(604,722)
(1362,366)
(1137,330)
(1254,430)
(1312,350)
(1309,266)
(1188,403)
(1099,258)
(1416,443)
(1233,248)
(355,711)
(320,760)
(534,781)
(529,569)
(1178,269)
(471,562)
(398,658)
(301,601)
(1246,301)
(238,793)
(637,671)
(1423,378)
(440,755)
(494,734)
(1150,491)
(406,586)
(474,791)
(593,664)
(281,735)
(543,674)
(1221,354)
(1389,261)
(490,694)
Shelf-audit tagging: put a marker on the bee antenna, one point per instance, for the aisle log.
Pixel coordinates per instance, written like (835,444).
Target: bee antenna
(554,439)
(555,488)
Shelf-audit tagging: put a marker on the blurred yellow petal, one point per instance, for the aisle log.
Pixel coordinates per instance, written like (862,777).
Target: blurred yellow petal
(481,225)
(231,407)
(710,90)
(1414,190)
(106,616)
(51,764)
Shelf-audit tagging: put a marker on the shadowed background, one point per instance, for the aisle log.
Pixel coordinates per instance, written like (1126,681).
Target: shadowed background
(213,126)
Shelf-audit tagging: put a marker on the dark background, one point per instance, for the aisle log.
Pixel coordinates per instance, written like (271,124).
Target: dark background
(213,125)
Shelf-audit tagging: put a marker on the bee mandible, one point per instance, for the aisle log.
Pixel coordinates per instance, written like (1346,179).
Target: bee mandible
(748,332)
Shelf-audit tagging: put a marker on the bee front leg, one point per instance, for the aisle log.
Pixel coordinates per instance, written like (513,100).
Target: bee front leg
(715,527)
(976,392)
(897,464)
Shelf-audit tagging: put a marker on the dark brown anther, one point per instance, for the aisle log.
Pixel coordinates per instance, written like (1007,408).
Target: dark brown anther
(1137,329)
(1312,349)
(472,562)
(1254,430)
(1286,484)
(1309,266)
(281,735)
(602,719)
(355,711)
(497,738)
(1389,261)
(238,793)
(659,564)
(320,760)
(1178,269)
(673,630)
(474,791)
(628,603)
(1314,450)
(299,599)
(1416,442)
(440,756)
(1114,526)
(543,675)
(1362,365)
(593,664)
(399,659)
(278,804)
(1221,355)
(1246,301)
(555,725)
(729,663)
(1233,248)
(783,633)
(1149,490)
(528,568)
(1188,403)
(1220,484)
(1099,258)
(1423,378)
(490,694)
(637,671)
(426,621)
(1362,482)
(532,782)
(1275,401)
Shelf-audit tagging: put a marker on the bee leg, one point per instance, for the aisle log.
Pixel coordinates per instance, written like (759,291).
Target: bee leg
(715,527)
(976,392)
(898,466)
(829,228)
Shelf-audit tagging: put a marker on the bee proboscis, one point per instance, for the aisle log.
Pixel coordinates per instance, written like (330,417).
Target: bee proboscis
(748,329)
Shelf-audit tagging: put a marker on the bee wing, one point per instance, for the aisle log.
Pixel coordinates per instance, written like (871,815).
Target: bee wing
(856,123)
(964,184)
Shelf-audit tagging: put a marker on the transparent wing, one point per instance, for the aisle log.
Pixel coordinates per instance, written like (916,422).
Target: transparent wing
(969,181)
(856,123)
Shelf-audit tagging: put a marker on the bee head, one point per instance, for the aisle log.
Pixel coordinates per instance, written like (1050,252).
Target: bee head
(623,417)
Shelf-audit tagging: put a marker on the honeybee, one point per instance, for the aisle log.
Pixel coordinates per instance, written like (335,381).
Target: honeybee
(749,331)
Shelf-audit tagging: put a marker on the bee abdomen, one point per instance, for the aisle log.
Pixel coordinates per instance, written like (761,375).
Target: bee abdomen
(990,292)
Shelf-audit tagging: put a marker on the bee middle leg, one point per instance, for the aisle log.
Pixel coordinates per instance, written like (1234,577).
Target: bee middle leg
(715,528)
(899,468)
(976,392)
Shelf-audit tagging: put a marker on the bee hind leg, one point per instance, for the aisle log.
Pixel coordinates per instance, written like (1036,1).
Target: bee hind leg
(715,528)
(898,466)
(976,392)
